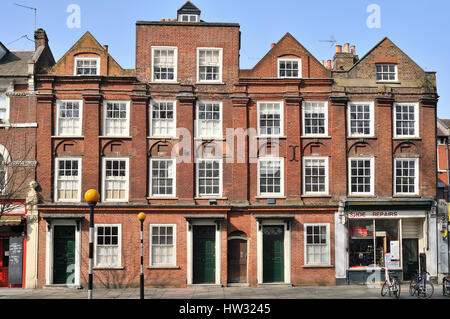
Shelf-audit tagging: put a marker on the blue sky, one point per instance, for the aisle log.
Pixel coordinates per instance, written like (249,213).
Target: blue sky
(420,27)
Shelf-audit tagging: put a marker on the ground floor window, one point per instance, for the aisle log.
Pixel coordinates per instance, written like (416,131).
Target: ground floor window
(108,243)
(374,242)
(162,245)
(317,244)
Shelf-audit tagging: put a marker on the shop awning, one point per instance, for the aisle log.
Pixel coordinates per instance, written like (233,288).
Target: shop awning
(10,220)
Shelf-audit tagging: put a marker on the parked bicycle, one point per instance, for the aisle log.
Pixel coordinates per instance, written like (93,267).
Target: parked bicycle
(446,286)
(420,286)
(391,285)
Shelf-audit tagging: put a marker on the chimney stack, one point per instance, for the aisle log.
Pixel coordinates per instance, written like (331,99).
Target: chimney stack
(346,47)
(40,38)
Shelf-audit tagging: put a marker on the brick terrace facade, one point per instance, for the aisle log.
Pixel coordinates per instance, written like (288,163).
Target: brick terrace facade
(263,228)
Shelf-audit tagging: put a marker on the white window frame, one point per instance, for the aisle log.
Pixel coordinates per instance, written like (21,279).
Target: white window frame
(7,108)
(258,104)
(416,176)
(119,244)
(80,176)
(383,64)
(174,173)
(372,176)
(174,118)
(220,66)
(282,181)
(327,225)
(79,58)
(174,234)
(304,119)
(372,118)
(197,177)
(58,107)
(325,158)
(6,160)
(298,60)
(175,69)
(199,122)
(127,130)
(180,17)
(127,179)
(416,119)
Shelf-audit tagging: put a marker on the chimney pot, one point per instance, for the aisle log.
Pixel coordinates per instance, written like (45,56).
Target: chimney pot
(105,47)
(346,47)
(322,62)
(272,45)
(352,49)
(338,48)
(329,64)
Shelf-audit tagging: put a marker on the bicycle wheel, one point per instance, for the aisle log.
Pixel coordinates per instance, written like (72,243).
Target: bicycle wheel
(384,289)
(412,287)
(396,289)
(427,292)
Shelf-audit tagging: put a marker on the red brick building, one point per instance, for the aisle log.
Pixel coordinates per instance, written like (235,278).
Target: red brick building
(245,175)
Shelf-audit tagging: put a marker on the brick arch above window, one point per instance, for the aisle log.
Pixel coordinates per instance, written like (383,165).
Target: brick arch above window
(360,148)
(161,149)
(68,147)
(269,148)
(406,149)
(209,148)
(115,147)
(315,149)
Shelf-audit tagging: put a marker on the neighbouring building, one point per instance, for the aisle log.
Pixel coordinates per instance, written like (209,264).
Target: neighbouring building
(18,131)
(293,172)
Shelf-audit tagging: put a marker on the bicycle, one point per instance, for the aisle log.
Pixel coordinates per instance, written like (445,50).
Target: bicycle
(391,285)
(420,286)
(446,286)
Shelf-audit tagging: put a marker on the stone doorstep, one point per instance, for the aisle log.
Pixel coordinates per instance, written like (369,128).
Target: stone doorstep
(62,286)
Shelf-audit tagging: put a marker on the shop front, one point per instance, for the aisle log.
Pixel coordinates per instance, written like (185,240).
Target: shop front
(12,250)
(380,237)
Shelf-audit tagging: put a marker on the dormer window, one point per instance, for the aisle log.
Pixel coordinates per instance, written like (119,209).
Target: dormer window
(87,66)
(386,72)
(189,13)
(189,18)
(289,68)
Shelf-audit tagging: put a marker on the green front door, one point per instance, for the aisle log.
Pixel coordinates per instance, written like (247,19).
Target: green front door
(64,255)
(204,255)
(273,254)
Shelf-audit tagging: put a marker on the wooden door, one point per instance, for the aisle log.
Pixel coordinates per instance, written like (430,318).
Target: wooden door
(273,253)
(4,261)
(204,255)
(64,255)
(237,261)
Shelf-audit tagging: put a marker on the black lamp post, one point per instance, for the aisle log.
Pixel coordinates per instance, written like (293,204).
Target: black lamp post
(91,197)
(141,217)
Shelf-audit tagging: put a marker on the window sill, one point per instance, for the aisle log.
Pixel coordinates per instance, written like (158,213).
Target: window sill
(362,137)
(406,195)
(212,138)
(163,137)
(271,137)
(361,196)
(210,197)
(407,138)
(318,266)
(389,82)
(163,267)
(118,137)
(162,197)
(210,83)
(315,136)
(109,268)
(68,136)
(270,196)
(317,195)
(164,82)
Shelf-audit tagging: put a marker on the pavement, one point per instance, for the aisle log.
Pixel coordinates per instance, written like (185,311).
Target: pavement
(205,292)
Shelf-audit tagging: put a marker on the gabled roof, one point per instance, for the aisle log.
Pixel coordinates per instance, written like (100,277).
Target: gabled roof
(3,50)
(15,63)
(189,8)
(376,46)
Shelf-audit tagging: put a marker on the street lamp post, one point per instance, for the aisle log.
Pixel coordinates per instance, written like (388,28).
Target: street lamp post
(141,217)
(91,197)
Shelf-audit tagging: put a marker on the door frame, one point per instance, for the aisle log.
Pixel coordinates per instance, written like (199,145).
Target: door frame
(50,252)
(286,242)
(248,247)
(190,247)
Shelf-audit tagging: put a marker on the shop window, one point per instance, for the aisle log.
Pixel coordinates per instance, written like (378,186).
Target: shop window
(374,243)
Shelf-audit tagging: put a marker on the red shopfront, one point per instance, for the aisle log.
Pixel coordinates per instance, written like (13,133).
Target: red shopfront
(12,250)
